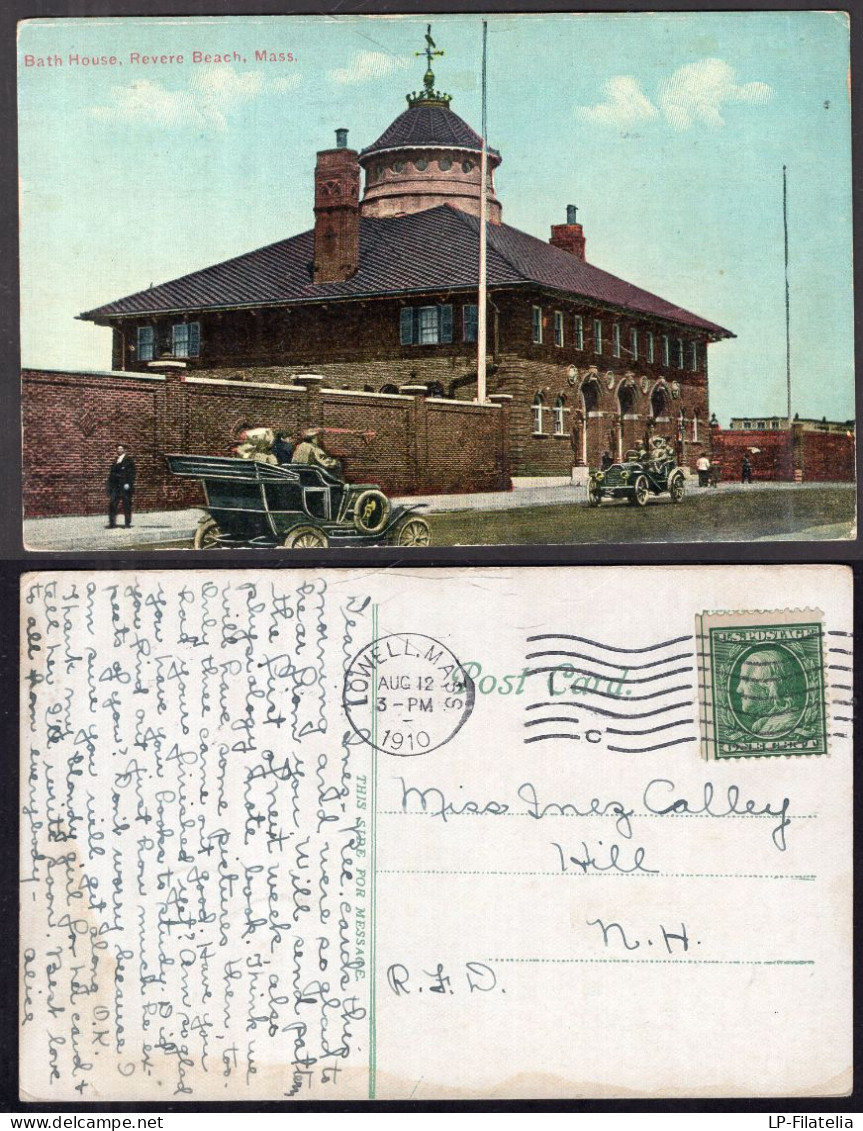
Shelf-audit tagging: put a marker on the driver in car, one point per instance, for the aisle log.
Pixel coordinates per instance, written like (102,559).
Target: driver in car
(310,450)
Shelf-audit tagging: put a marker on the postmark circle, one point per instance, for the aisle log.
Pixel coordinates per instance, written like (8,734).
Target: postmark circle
(406,694)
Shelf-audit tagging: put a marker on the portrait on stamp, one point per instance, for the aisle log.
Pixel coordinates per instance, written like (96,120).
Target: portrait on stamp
(531,279)
(763,689)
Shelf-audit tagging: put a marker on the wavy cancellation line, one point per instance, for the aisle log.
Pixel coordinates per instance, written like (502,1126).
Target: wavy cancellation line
(609,647)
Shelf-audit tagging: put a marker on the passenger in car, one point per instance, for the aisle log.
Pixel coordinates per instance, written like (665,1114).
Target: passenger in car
(310,450)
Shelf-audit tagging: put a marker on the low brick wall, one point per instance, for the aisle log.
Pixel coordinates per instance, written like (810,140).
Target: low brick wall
(827,456)
(774,458)
(72,423)
(782,455)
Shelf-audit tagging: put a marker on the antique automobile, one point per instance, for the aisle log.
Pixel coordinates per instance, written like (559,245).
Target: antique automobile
(295,506)
(638,476)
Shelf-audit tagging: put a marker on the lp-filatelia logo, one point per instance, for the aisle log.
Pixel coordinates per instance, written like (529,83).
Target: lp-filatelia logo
(805,1122)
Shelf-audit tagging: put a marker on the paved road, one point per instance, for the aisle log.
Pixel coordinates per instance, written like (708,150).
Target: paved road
(552,515)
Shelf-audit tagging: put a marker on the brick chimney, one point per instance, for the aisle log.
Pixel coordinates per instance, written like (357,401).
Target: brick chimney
(569,236)
(337,215)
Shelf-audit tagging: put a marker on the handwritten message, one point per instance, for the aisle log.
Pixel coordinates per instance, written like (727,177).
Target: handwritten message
(194,839)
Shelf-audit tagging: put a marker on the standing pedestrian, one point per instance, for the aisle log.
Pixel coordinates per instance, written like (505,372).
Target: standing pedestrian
(746,471)
(120,485)
(702,465)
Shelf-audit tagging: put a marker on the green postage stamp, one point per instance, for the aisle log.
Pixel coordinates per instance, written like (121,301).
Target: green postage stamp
(761,683)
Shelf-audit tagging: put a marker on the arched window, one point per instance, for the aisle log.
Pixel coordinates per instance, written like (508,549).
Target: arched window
(626,399)
(389,389)
(435,389)
(538,408)
(590,395)
(560,416)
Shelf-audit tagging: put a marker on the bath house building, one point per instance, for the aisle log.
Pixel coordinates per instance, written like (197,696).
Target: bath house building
(380,295)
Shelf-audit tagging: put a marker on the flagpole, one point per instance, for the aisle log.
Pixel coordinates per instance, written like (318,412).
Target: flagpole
(787,296)
(482,298)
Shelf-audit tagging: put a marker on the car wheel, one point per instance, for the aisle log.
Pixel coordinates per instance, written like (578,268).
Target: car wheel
(207,534)
(640,491)
(594,493)
(371,511)
(413,532)
(306,538)
(676,488)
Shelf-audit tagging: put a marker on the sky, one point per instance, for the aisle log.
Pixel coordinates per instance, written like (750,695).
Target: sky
(669,132)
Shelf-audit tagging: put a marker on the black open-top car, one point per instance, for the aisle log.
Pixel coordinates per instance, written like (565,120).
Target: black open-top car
(638,476)
(298,506)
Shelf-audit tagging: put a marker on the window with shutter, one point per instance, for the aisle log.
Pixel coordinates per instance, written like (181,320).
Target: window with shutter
(429,325)
(445,324)
(470,318)
(536,324)
(146,343)
(186,339)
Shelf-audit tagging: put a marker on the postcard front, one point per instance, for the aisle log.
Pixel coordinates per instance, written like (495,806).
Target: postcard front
(422,835)
(340,290)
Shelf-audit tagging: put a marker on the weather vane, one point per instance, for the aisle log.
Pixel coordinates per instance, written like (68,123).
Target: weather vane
(430,53)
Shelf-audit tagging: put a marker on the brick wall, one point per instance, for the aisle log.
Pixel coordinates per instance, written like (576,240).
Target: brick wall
(825,456)
(72,423)
(814,456)
(773,460)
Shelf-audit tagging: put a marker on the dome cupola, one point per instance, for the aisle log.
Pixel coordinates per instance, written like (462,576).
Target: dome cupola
(427,157)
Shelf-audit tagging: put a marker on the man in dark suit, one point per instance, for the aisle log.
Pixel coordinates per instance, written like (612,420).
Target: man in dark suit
(120,485)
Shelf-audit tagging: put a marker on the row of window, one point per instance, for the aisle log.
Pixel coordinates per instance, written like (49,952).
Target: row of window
(420,164)
(559,410)
(433,325)
(184,340)
(637,339)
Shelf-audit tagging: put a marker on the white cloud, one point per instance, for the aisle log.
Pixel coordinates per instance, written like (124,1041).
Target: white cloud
(625,104)
(288,82)
(697,92)
(147,101)
(224,84)
(368,65)
(207,103)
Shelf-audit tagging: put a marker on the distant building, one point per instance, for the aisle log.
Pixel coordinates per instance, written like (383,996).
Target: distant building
(772,423)
(380,296)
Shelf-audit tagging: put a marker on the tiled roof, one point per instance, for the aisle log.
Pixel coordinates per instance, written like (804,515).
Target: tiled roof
(434,250)
(428,125)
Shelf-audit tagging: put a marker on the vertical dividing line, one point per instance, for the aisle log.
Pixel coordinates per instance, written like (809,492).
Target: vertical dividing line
(787,294)
(482,293)
(373,850)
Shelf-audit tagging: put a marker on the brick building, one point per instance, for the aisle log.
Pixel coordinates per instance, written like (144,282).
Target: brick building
(380,297)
